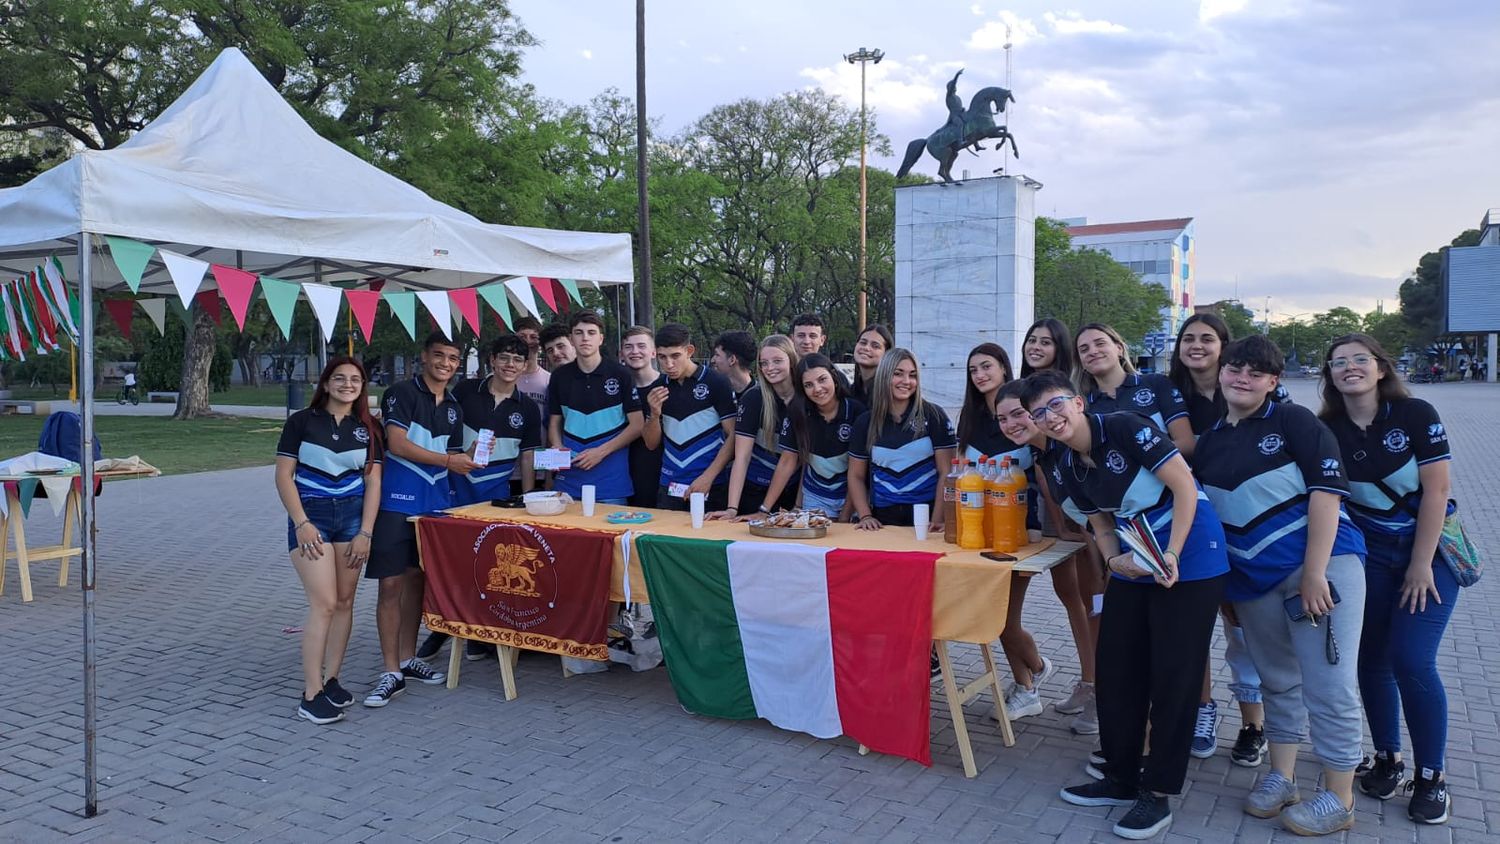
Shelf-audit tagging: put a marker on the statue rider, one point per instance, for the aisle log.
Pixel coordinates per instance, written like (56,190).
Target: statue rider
(956,112)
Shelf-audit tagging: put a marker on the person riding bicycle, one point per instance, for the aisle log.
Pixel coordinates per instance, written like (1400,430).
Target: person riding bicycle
(129,384)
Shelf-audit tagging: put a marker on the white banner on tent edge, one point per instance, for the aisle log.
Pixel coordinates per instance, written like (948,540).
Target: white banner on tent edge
(187,274)
(325,304)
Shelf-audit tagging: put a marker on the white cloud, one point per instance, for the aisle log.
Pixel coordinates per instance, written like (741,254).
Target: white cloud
(901,90)
(587,54)
(713,58)
(1210,9)
(977,10)
(1073,23)
(993,34)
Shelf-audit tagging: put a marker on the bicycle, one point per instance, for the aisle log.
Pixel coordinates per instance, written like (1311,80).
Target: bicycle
(129,394)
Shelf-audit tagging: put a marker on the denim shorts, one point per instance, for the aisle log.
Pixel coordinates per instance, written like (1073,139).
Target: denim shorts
(337,519)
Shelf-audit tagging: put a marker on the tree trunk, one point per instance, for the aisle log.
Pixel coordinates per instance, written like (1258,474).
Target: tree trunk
(197,359)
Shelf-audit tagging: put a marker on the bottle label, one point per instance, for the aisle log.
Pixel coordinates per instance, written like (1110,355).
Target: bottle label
(1021,498)
(997,498)
(950,493)
(971,499)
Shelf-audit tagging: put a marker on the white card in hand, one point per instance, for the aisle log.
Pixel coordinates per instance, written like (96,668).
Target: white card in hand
(677,490)
(553,459)
(484,447)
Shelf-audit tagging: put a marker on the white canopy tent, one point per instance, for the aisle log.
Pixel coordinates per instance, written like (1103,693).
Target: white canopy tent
(230,174)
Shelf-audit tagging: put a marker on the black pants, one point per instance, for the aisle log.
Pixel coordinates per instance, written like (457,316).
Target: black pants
(754,495)
(1153,644)
(895,515)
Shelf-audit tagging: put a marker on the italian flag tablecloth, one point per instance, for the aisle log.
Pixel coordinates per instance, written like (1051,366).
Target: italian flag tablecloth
(824,641)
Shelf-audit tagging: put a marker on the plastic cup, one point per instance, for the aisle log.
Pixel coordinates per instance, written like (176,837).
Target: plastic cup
(921,514)
(588,499)
(695,507)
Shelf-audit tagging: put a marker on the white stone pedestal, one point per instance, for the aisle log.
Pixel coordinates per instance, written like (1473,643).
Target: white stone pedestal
(965,260)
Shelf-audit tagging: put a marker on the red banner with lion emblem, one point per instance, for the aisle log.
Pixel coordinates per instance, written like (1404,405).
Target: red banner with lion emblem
(539,588)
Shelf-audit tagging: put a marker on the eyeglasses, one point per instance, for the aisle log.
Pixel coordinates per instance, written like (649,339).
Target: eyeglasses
(346,379)
(1357,360)
(1055,407)
(510,360)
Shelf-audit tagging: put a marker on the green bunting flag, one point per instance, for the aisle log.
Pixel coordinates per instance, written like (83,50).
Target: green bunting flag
(572,287)
(131,257)
(494,296)
(281,296)
(404,306)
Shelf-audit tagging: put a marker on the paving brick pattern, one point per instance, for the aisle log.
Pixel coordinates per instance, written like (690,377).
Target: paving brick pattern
(198,740)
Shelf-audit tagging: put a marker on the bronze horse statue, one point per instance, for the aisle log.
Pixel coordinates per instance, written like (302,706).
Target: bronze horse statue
(964,130)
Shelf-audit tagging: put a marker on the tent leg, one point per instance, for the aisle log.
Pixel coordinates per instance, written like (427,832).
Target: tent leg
(87,561)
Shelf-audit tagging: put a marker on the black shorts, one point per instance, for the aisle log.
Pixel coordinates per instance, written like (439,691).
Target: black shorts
(393,547)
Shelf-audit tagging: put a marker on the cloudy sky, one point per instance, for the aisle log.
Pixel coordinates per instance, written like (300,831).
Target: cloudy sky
(1321,146)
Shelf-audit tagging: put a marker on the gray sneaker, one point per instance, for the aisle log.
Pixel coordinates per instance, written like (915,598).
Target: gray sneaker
(1272,793)
(1086,723)
(1075,702)
(1321,815)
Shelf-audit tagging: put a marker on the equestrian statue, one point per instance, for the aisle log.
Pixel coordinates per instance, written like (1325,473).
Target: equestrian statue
(964,130)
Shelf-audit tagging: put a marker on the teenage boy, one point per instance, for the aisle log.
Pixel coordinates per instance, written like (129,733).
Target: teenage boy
(497,404)
(595,414)
(423,426)
(533,382)
(638,352)
(734,354)
(557,347)
(808,335)
(693,421)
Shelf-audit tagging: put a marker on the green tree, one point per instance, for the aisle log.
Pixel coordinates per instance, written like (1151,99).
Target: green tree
(1390,329)
(1422,293)
(1240,319)
(1086,285)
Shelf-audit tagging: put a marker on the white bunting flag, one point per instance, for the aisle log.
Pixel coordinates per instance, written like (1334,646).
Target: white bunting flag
(325,304)
(57,492)
(156,309)
(437,304)
(187,274)
(520,288)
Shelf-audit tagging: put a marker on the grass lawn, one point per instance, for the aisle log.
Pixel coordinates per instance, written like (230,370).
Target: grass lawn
(271,395)
(177,448)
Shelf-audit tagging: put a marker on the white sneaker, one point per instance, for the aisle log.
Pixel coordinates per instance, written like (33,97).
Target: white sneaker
(1048,669)
(1022,703)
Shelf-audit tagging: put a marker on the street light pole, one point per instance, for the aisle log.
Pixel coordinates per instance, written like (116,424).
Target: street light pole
(644,309)
(861,58)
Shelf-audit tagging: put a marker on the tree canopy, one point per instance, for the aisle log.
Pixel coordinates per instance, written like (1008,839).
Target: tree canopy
(1087,285)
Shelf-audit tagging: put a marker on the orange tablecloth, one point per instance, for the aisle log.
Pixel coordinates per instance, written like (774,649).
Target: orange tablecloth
(970,595)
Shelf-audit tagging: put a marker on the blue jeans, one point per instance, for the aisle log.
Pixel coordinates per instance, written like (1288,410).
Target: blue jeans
(1398,654)
(811,500)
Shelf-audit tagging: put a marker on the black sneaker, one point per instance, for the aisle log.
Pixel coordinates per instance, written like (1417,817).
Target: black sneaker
(937,667)
(431,645)
(416,669)
(389,686)
(1101,793)
(1365,764)
(319,710)
(475,651)
(1148,816)
(1383,779)
(1250,748)
(1429,800)
(336,694)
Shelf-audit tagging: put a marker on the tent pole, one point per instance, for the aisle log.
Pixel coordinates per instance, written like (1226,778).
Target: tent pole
(86,494)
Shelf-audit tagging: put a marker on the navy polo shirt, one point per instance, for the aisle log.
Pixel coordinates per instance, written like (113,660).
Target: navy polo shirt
(1406,434)
(1151,395)
(1126,451)
(330,456)
(692,429)
(826,473)
(902,468)
(763,456)
(430,423)
(1203,411)
(988,440)
(594,408)
(645,463)
(1259,474)
(517,423)
(1048,460)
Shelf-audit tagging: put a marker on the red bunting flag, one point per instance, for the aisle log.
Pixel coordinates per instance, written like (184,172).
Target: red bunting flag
(208,300)
(122,311)
(544,287)
(561,294)
(237,286)
(467,302)
(362,304)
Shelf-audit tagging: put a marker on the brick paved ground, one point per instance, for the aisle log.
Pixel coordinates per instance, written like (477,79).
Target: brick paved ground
(198,740)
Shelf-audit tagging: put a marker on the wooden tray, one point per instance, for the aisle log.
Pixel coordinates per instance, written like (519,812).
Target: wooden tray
(787,532)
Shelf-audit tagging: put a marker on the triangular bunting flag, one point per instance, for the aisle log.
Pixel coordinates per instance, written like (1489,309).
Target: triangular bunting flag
(572,287)
(208,300)
(27,492)
(522,289)
(57,297)
(560,293)
(186,272)
(544,287)
(362,304)
(236,286)
(131,258)
(75,308)
(122,311)
(468,305)
(46,326)
(13,324)
(325,304)
(281,296)
(494,296)
(57,492)
(436,302)
(404,306)
(156,308)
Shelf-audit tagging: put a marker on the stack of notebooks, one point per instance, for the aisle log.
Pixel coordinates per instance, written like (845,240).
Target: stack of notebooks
(1137,537)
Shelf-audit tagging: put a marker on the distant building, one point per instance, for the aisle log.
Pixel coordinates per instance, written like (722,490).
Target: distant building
(1471,288)
(1159,251)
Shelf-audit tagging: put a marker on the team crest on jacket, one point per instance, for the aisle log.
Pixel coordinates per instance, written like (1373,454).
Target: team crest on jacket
(700,392)
(516,420)
(1436,432)
(1146,438)
(1396,441)
(452,416)
(1144,398)
(362,434)
(845,432)
(1115,462)
(1330,468)
(612,386)
(1270,444)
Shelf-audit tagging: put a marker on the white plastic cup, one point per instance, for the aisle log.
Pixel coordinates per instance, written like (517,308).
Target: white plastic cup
(588,499)
(921,514)
(695,506)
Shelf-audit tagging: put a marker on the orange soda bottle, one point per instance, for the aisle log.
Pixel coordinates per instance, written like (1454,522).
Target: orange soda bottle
(971,509)
(1001,507)
(986,471)
(1018,507)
